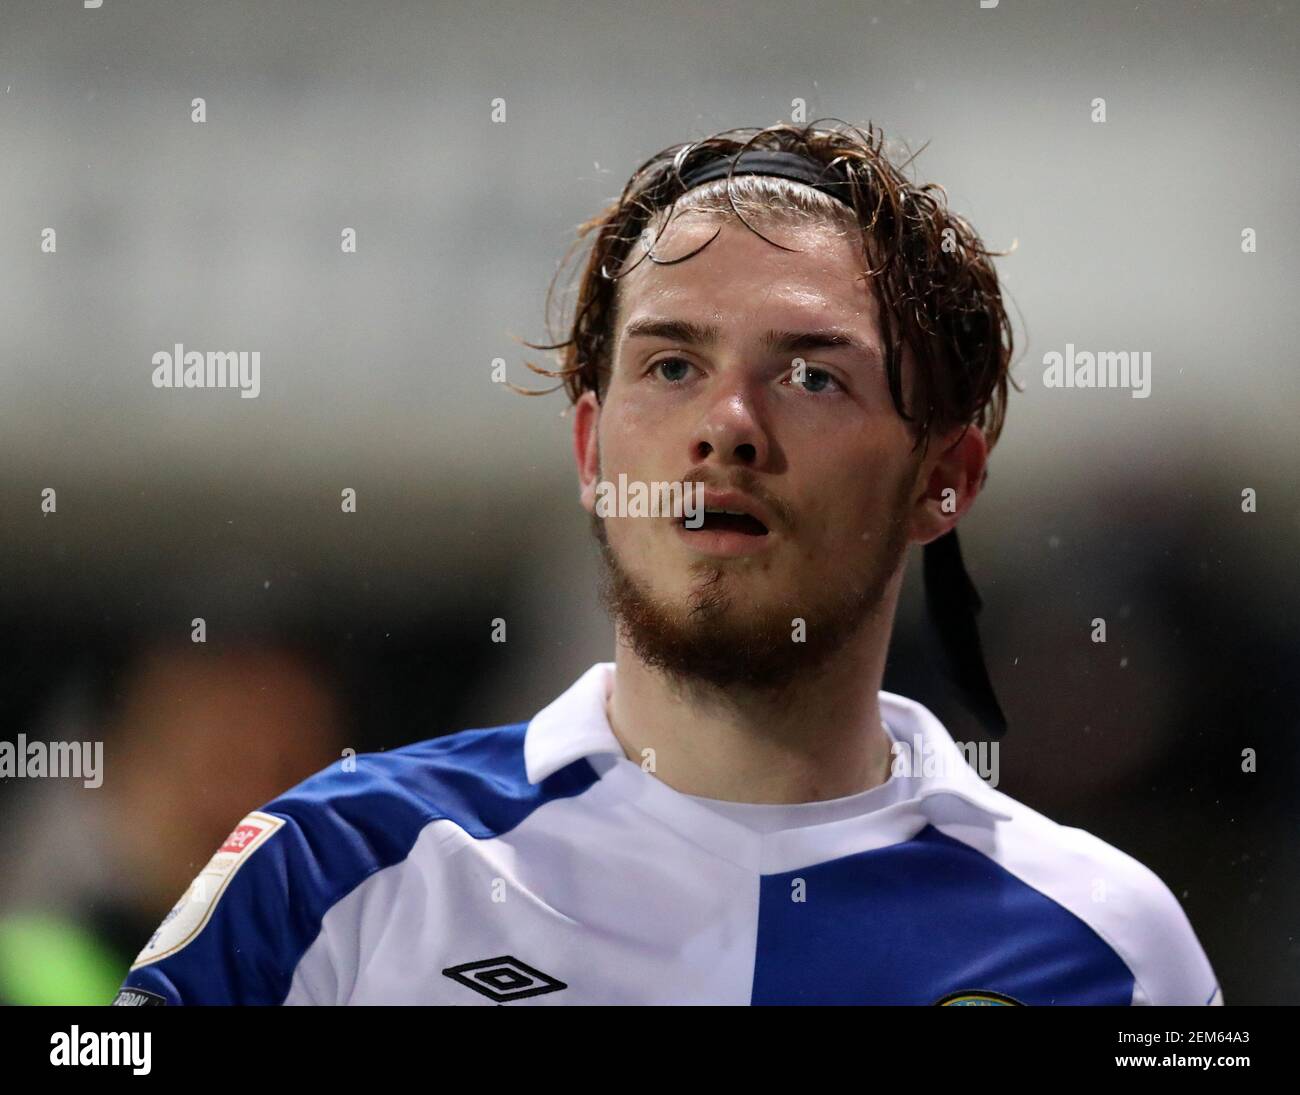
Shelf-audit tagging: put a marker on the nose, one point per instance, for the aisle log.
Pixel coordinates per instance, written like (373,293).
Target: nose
(731,431)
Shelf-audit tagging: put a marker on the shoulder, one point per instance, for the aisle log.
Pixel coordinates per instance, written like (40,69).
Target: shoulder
(476,778)
(240,930)
(1119,898)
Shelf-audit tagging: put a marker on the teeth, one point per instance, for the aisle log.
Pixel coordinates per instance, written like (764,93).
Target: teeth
(733,512)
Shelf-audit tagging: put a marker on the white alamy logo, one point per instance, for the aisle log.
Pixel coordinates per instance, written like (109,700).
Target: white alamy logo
(1104,369)
(920,758)
(23,759)
(637,499)
(183,368)
(102,1047)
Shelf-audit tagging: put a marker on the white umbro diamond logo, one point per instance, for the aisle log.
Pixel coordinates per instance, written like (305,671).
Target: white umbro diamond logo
(503,979)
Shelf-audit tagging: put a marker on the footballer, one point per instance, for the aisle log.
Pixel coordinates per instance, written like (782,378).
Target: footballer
(781,320)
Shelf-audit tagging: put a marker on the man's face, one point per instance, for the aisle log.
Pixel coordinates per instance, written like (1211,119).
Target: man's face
(822,459)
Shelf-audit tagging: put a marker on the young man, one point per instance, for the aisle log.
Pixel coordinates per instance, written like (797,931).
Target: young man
(718,815)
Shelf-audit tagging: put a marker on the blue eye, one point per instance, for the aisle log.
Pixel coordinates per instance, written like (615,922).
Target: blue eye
(814,379)
(675,362)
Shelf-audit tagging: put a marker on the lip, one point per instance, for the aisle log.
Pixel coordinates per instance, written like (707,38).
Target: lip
(742,503)
(725,543)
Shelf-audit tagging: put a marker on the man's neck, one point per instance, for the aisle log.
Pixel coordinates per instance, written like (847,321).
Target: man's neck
(821,739)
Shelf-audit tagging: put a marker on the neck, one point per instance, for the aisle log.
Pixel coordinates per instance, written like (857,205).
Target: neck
(819,739)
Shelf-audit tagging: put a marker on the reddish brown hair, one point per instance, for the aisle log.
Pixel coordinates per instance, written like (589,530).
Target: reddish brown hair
(937,288)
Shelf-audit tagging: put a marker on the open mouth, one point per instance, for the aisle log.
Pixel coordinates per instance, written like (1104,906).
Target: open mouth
(721,520)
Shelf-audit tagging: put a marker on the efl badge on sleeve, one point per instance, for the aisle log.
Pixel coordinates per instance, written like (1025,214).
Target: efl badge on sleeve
(191,913)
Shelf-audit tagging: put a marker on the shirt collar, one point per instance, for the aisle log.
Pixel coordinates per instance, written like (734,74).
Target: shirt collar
(574,726)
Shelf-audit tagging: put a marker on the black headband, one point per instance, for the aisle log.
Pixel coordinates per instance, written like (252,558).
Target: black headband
(786,165)
(950,596)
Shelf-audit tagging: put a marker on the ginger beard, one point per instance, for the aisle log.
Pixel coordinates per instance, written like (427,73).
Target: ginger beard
(721,637)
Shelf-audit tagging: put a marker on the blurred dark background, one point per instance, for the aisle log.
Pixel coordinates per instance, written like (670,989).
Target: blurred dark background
(328,631)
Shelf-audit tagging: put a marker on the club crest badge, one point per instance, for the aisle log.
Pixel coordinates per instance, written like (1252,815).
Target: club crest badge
(977,999)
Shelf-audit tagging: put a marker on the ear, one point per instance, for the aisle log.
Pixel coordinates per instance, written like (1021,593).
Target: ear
(953,474)
(586,447)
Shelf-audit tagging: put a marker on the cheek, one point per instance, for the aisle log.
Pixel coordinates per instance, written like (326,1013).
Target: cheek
(619,436)
(624,401)
(636,440)
(856,504)
(637,547)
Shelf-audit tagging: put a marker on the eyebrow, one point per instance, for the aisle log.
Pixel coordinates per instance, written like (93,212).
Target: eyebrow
(781,342)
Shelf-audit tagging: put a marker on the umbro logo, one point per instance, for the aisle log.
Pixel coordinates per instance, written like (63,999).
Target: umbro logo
(503,979)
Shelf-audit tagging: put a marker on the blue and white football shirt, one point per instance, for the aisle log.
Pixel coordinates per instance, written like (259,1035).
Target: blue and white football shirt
(536,863)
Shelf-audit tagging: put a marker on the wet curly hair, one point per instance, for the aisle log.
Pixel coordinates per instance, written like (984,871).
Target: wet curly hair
(937,289)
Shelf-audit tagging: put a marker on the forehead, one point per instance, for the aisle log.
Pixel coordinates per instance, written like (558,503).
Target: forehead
(741,277)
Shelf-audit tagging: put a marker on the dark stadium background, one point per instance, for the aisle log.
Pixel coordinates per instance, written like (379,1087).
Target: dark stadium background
(329,631)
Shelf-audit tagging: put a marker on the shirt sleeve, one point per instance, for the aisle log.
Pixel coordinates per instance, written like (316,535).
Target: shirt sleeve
(238,932)
(1171,967)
